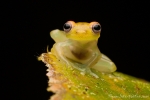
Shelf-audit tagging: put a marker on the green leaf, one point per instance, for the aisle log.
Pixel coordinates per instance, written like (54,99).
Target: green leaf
(69,84)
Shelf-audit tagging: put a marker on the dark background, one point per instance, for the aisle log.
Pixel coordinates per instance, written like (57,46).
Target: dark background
(25,35)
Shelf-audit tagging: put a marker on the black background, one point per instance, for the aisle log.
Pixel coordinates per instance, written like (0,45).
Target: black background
(25,35)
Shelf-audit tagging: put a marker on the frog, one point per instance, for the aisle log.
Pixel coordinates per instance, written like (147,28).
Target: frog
(76,46)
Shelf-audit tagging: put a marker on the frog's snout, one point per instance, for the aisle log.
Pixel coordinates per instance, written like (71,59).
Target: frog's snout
(81,31)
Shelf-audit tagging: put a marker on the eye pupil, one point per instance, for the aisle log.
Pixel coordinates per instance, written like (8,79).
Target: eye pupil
(67,27)
(97,27)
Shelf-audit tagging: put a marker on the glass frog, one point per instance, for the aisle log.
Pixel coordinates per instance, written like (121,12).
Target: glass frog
(76,46)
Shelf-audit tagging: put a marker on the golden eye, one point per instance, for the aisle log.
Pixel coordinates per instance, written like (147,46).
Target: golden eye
(96,27)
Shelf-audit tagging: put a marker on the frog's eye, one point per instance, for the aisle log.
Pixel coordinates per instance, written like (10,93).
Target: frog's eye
(96,27)
(67,27)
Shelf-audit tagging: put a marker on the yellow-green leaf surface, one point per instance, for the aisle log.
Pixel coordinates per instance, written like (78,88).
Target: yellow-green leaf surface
(69,84)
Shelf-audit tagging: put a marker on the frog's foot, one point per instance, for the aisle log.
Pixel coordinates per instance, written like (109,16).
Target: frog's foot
(88,70)
(84,69)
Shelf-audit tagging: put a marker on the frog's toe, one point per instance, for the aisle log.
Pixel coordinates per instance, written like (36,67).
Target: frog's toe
(89,72)
(93,74)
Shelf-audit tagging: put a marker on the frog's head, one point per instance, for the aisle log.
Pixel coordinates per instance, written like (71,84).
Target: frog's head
(82,31)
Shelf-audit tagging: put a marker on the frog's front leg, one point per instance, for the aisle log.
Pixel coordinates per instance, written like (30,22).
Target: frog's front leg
(58,51)
(91,62)
(83,66)
(101,63)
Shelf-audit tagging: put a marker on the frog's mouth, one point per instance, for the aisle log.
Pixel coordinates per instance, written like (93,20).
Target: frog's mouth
(83,37)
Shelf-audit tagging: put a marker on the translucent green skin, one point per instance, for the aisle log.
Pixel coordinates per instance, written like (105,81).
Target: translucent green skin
(82,55)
